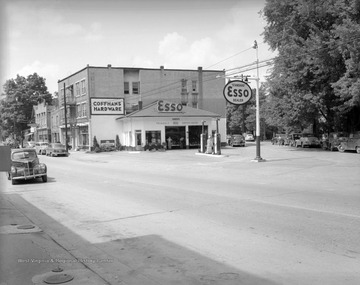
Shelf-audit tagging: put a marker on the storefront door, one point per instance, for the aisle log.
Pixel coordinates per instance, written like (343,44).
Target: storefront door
(177,135)
(194,135)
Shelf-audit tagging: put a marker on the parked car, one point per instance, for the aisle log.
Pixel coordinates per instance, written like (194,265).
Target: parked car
(352,143)
(287,140)
(25,165)
(293,138)
(40,147)
(237,140)
(278,139)
(249,137)
(107,145)
(333,140)
(308,140)
(56,149)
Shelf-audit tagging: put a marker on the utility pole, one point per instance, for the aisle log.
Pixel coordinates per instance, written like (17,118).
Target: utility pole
(258,156)
(65,111)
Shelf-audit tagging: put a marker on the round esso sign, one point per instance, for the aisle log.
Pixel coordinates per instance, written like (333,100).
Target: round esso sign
(237,92)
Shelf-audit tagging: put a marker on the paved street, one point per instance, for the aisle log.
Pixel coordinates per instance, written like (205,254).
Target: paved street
(175,217)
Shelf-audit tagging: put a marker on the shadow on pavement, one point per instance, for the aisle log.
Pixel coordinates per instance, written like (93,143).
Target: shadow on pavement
(146,260)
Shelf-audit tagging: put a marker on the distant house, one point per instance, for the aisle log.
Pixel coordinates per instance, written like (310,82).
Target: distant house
(42,116)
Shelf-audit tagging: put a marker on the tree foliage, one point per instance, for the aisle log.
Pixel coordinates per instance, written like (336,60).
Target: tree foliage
(19,97)
(242,118)
(316,76)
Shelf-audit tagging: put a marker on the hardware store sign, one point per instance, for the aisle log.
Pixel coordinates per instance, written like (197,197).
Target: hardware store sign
(107,106)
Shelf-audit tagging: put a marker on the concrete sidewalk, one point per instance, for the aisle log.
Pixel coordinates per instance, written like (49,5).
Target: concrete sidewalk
(29,255)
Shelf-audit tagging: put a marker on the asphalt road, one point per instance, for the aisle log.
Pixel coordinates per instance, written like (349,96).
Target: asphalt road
(176,217)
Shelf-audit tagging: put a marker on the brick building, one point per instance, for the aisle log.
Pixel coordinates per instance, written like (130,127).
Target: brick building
(96,97)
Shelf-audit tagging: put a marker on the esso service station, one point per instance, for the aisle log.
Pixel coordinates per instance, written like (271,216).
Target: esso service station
(237,92)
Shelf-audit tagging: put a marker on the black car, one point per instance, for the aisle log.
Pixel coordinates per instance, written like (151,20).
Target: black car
(25,165)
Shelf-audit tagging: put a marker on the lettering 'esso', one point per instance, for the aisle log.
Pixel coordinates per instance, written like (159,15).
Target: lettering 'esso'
(237,92)
(169,107)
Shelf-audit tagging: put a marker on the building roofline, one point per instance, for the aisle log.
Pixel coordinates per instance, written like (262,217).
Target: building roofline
(138,68)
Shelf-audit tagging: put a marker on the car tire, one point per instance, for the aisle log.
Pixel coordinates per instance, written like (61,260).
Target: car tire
(357,149)
(44,178)
(341,148)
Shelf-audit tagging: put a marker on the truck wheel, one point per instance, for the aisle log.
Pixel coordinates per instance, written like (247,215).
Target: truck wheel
(357,149)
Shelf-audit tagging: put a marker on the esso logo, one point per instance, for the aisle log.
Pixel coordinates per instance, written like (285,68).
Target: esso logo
(237,92)
(168,107)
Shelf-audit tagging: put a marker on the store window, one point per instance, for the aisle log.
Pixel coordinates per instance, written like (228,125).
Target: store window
(153,137)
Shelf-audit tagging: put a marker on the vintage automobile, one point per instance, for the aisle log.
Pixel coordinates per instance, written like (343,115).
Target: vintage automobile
(107,145)
(56,149)
(293,138)
(352,143)
(249,137)
(40,147)
(25,165)
(278,139)
(333,140)
(237,140)
(308,140)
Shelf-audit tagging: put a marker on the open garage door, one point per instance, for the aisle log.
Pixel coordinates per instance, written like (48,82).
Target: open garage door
(177,135)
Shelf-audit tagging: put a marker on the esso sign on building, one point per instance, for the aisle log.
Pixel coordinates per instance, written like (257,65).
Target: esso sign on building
(168,107)
(237,92)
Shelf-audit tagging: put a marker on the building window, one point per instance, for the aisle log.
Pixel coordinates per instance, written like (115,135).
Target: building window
(77,88)
(135,87)
(126,88)
(183,86)
(193,85)
(78,109)
(83,88)
(84,110)
(61,97)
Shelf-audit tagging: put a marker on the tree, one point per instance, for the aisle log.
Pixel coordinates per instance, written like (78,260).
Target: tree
(315,79)
(20,95)
(242,118)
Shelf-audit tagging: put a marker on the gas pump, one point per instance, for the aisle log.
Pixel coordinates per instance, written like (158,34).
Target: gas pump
(203,139)
(217,143)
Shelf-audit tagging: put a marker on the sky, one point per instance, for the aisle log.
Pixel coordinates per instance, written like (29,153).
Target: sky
(56,38)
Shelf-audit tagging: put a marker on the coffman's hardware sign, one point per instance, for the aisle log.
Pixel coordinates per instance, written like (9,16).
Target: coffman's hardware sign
(107,106)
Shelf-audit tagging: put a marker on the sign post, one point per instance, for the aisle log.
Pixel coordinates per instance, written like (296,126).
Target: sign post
(238,92)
